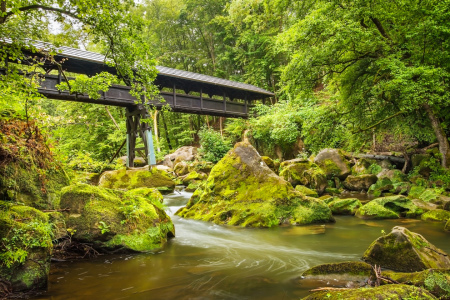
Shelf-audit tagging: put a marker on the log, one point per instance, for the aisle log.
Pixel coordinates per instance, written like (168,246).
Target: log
(394,159)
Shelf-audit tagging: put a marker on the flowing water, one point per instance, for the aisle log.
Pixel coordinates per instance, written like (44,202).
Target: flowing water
(207,261)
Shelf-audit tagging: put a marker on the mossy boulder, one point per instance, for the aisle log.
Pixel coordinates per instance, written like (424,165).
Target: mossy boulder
(333,163)
(193,177)
(391,291)
(425,194)
(359,182)
(273,165)
(303,172)
(181,168)
(241,190)
(436,281)
(405,251)
(363,166)
(382,185)
(56,219)
(347,206)
(26,247)
(185,153)
(356,268)
(132,179)
(116,220)
(306,191)
(200,166)
(438,215)
(391,207)
(138,161)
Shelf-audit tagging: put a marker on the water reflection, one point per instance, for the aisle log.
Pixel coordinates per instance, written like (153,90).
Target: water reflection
(207,261)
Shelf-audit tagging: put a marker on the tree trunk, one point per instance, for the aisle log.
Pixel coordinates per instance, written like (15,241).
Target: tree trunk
(444,147)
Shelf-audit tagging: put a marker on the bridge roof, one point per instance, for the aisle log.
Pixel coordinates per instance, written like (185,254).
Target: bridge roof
(91,63)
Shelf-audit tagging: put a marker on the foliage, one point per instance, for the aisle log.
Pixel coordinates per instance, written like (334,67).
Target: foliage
(214,146)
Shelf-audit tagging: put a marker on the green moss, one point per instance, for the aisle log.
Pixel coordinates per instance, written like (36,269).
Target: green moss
(128,216)
(350,267)
(391,207)
(132,179)
(306,191)
(347,206)
(25,249)
(435,281)
(416,252)
(392,291)
(382,185)
(241,191)
(438,215)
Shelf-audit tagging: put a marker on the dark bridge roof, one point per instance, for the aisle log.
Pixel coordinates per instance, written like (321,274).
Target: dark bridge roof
(91,63)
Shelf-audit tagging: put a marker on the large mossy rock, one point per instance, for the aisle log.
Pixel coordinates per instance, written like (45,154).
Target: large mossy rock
(391,291)
(302,172)
(436,281)
(185,153)
(438,215)
(306,191)
(347,206)
(391,207)
(360,182)
(242,190)
(333,163)
(405,251)
(116,220)
(26,247)
(132,179)
(194,177)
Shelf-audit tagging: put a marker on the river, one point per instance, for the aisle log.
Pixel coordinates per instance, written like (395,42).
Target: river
(207,261)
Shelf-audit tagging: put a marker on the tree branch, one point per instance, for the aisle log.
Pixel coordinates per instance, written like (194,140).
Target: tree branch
(380,28)
(379,122)
(43,7)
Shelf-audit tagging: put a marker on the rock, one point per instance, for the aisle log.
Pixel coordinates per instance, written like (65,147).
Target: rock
(86,177)
(391,207)
(436,282)
(59,229)
(305,191)
(163,168)
(138,161)
(26,247)
(193,186)
(116,220)
(438,215)
(391,291)
(382,185)
(357,268)
(405,251)
(241,190)
(447,226)
(132,179)
(186,153)
(344,206)
(181,168)
(194,177)
(344,274)
(201,166)
(274,166)
(363,166)
(333,163)
(360,182)
(303,172)
(422,193)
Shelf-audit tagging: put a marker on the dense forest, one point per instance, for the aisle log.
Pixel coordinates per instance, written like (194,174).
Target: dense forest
(352,81)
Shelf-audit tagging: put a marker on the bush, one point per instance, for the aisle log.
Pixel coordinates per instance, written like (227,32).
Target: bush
(213,145)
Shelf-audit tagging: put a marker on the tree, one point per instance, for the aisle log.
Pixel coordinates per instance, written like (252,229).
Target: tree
(385,61)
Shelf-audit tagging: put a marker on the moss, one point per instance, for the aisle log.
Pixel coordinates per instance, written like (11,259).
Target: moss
(393,291)
(114,219)
(436,281)
(241,191)
(415,251)
(416,191)
(193,177)
(438,215)
(427,195)
(350,267)
(25,247)
(132,179)
(347,206)
(305,191)
(382,185)
(391,207)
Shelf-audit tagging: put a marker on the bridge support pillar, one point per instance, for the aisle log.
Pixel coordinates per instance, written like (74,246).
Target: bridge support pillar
(137,127)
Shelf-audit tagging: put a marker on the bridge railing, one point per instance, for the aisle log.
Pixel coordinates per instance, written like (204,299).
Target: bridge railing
(119,95)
